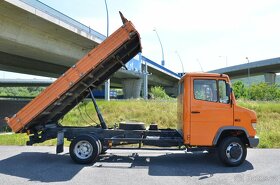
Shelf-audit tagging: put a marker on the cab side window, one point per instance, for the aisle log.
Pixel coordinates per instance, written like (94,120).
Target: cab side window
(223,97)
(205,90)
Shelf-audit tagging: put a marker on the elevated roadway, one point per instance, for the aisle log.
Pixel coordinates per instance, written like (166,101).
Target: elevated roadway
(268,68)
(39,40)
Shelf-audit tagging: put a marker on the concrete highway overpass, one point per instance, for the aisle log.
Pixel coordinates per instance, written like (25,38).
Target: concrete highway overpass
(268,68)
(39,40)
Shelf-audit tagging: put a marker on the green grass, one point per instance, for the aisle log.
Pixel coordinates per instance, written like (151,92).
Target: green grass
(268,125)
(13,139)
(164,113)
(20,140)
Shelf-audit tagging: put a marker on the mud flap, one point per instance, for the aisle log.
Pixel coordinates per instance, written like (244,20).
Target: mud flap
(60,142)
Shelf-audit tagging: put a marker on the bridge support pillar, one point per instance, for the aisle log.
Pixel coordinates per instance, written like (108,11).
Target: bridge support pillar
(270,78)
(132,88)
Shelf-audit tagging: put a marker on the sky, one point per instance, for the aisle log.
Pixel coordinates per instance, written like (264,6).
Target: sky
(205,34)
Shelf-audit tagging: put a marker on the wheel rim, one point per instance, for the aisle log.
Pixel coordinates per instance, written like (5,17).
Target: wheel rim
(234,152)
(83,149)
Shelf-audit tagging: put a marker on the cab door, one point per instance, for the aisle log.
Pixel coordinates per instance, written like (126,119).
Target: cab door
(210,109)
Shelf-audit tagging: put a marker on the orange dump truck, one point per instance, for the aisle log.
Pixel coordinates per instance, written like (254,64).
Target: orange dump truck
(208,117)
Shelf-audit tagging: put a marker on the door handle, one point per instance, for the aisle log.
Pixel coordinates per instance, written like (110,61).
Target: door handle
(195,112)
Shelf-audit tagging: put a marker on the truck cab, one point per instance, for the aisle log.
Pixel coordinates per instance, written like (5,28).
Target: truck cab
(209,117)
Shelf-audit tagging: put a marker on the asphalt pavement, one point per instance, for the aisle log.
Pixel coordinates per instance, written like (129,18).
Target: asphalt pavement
(40,165)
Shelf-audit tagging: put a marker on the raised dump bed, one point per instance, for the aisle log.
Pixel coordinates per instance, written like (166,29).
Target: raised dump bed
(73,86)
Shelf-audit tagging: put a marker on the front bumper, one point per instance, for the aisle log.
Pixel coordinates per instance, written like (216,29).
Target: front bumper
(253,141)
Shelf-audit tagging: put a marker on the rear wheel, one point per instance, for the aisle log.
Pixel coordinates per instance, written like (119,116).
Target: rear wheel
(102,149)
(232,151)
(84,149)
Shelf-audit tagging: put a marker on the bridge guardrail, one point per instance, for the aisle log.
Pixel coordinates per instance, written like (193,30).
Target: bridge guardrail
(160,67)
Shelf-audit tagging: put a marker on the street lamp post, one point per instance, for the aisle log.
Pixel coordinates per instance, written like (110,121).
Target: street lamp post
(248,75)
(180,61)
(107,83)
(162,62)
(225,59)
(200,65)
(248,70)
(107,17)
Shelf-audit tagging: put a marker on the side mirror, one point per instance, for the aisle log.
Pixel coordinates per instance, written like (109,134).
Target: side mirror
(228,90)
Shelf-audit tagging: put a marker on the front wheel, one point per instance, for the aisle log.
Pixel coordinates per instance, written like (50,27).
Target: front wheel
(232,151)
(84,149)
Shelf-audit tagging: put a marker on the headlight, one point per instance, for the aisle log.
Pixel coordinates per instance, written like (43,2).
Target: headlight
(254,125)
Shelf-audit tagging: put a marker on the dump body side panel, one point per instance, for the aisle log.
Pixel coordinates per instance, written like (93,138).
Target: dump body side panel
(69,89)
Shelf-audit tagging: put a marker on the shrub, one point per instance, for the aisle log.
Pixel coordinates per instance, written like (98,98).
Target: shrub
(261,91)
(159,93)
(264,92)
(239,89)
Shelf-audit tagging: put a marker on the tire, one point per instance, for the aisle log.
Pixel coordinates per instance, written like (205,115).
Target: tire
(84,149)
(132,126)
(232,151)
(102,149)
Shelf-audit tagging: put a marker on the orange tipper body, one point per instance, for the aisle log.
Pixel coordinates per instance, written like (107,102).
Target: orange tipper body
(204,110)
(68,90)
